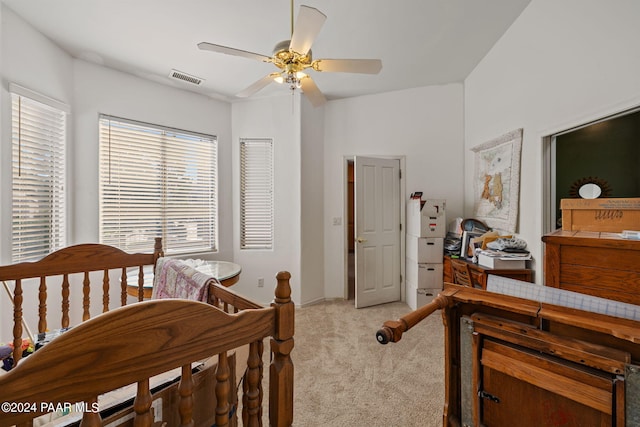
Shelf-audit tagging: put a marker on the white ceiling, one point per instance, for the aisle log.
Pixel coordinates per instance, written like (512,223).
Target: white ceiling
(420,42)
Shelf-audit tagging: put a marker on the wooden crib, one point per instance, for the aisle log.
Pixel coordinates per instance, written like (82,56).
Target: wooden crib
(132,343)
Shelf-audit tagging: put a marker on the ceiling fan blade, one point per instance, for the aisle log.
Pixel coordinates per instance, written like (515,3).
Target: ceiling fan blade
(231,51)
(364,66)
(255,87)
(312,92)
(308,25)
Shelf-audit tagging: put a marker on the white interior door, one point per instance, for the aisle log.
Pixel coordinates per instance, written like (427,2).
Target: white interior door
(377,231)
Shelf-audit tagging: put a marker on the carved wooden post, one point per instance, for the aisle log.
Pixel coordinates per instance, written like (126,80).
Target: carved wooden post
(105,291)
(142,405)
(123,287)
(281,370)
(17,322)
(42,306)
(86,292)
(251,398)
(141,283)
(157,251)
(185,390)
(65,301)
(222,390)
(260,345)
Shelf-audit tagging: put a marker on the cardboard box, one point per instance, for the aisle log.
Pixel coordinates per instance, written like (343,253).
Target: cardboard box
(501,263)
(426,219)
(425,249)
(605,215)
(424,275)
(417,297)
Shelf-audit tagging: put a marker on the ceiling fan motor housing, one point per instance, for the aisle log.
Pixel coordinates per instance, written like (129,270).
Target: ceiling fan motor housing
(289,60)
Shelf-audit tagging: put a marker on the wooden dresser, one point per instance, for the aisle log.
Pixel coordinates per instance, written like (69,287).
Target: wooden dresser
(479,273)
(594,263)
(518,362)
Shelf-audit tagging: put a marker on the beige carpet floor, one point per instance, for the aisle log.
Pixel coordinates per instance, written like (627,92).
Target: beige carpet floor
(343,377)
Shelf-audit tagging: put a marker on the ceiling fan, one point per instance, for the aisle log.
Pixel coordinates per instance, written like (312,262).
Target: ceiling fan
(293,57)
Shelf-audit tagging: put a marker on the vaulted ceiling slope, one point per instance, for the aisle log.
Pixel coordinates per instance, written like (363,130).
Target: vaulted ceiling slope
(420,42)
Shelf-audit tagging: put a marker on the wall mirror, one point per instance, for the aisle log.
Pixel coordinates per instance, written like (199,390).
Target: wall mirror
(590,188)
(590,191)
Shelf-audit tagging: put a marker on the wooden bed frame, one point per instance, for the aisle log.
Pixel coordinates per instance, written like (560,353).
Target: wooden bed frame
(517,361)
(131,343)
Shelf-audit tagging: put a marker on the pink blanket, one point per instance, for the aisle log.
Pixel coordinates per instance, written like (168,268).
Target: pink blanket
(175,278)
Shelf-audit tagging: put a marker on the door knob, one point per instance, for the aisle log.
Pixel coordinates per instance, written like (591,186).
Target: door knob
(361,240)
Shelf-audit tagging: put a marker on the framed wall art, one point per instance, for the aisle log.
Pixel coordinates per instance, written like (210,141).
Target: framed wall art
(497,181)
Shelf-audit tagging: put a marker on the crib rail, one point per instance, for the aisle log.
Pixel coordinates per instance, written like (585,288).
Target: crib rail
(57,268)
(166,334)
(227,300)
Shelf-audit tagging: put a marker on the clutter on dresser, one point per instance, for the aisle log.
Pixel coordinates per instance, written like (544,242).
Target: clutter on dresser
(503,260)
(451,244)
(504,252)
(472,232)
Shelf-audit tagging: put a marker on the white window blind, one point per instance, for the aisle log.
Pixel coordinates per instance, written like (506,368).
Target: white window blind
(256,193)
(38,177)
(157,182)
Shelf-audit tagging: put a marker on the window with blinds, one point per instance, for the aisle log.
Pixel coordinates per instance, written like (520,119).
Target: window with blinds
(38,176)
(256,194)
(157,182)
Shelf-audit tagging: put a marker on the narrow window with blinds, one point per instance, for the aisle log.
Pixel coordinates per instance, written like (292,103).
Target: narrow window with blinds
(38,177)
(157,182)
(256,194)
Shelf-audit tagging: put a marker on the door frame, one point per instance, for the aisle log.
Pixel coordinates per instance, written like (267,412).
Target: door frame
(345,223)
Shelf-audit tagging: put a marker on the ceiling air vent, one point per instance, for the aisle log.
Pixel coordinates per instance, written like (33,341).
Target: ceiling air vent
(175,74)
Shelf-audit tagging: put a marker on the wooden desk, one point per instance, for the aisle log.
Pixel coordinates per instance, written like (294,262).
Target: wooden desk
(479,273)
(227,273)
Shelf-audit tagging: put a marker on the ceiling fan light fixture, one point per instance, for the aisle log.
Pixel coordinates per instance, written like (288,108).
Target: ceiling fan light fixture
(293,78)
(293,56)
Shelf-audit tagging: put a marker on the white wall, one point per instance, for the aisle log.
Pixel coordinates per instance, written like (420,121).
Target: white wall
(423,124)
(277,118)
(99,90)
(32,61)
(312,197)
(559,65)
